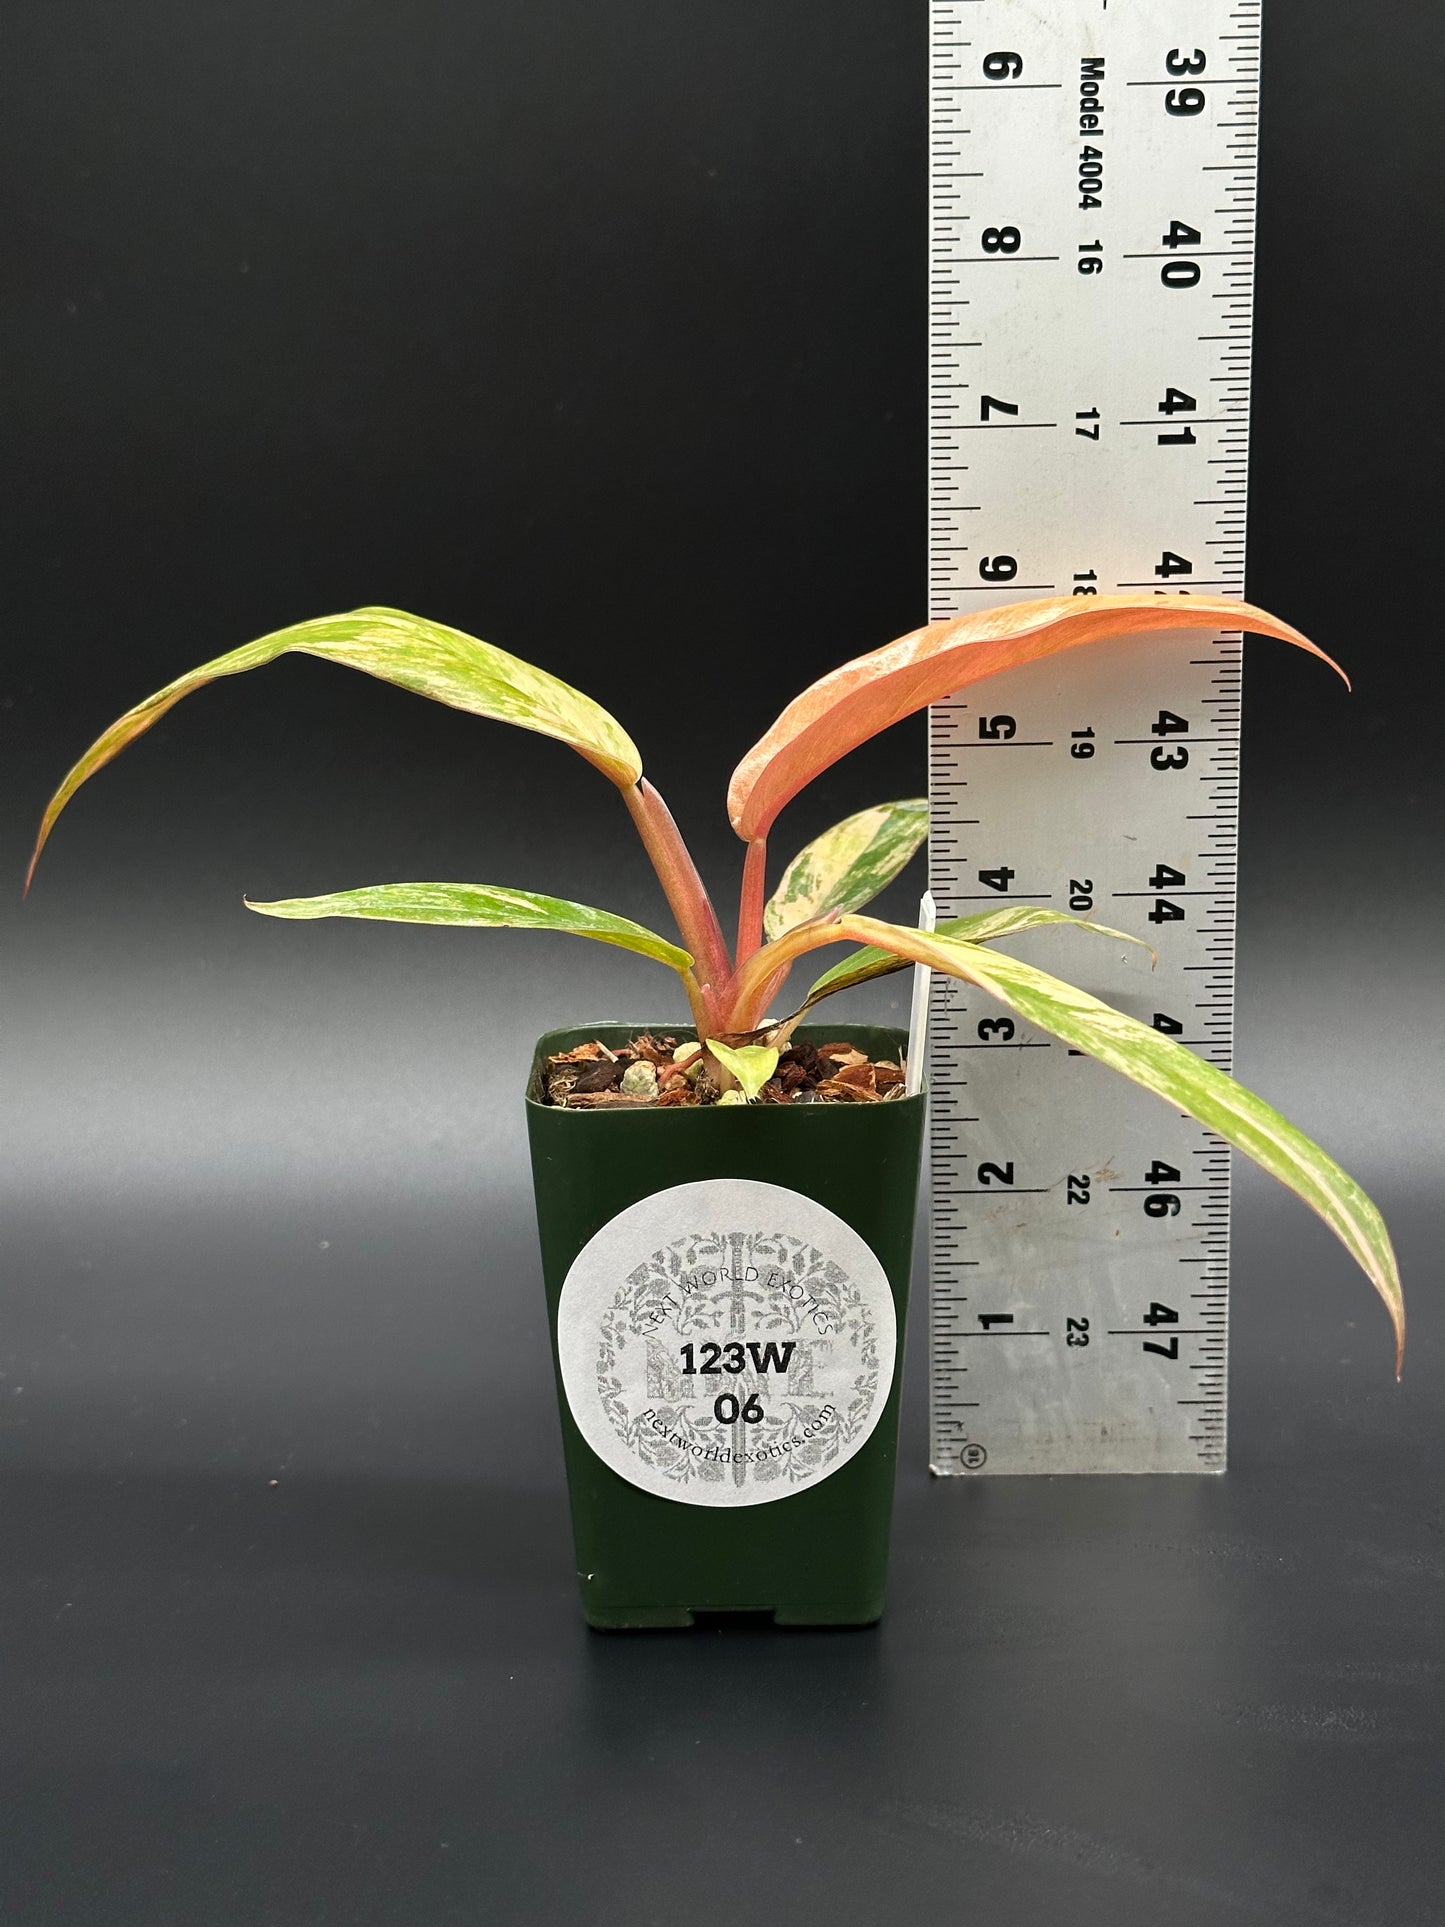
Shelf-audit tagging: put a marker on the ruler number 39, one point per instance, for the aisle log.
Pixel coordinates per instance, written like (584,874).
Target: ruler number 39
(1184,102)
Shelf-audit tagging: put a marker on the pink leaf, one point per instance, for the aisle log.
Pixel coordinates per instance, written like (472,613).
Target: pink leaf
(845,708)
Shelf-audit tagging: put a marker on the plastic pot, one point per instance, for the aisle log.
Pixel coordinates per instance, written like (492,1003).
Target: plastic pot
(727,1289)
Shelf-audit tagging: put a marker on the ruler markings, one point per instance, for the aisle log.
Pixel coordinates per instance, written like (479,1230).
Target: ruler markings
(1052,346)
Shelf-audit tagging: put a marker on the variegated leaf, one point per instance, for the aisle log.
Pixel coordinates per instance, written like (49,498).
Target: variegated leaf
(985,927)
(427,657)
(856,701)
(847,866)
(480,905)
(1176,1074)
(751,1064)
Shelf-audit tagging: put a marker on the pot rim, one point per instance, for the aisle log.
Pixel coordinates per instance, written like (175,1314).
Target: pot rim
(683,1031)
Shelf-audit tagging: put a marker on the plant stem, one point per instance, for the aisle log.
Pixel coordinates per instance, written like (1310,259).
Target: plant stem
(762,1001)
(750,903)
(755,981)
(697,922)
(702,1004)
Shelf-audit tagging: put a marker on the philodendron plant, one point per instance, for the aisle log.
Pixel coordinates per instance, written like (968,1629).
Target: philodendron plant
(732,990)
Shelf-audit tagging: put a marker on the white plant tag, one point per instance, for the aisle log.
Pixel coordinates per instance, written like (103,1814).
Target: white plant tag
(918,1016)
(726,1343)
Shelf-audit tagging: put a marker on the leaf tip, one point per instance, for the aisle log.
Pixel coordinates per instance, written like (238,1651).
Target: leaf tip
(40,842)
(1387,1283)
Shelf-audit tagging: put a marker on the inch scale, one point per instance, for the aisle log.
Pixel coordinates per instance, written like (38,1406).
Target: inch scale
(1092,190)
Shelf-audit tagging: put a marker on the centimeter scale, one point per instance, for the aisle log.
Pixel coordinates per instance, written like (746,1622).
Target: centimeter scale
(1091,268)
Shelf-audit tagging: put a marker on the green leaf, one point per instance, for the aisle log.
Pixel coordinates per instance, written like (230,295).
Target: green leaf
(1176,1074)
(480,905)
(983,928)
(751,1064)
(847,866)
(426,657)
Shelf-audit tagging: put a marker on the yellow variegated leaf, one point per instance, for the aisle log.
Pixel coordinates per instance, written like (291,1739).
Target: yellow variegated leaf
(847,866)
(985,927)
(426,657)
(1175,1074)
(480,905)
(751,1064)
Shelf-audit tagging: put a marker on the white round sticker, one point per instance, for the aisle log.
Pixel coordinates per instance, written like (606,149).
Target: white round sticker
(726,1343)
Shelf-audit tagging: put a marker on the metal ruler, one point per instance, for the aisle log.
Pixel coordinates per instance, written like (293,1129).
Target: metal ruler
(1091,268)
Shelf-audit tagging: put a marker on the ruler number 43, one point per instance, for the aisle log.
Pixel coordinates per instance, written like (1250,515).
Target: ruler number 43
(1165,755)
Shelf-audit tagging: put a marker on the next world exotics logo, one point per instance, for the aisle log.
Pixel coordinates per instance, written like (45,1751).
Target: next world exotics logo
(726,1343)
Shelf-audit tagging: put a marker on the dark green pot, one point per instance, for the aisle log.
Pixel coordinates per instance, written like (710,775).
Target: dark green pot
(818,1556)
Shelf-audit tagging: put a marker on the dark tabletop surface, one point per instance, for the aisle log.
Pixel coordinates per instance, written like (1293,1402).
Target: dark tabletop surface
(290,1632)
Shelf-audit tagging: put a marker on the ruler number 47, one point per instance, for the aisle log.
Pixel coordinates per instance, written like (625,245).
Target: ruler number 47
(1156,1315)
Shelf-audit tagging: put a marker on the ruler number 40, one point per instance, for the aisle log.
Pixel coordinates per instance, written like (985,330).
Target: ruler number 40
(1180,272)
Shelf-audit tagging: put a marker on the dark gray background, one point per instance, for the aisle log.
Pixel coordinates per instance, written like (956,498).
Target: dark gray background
(598,331)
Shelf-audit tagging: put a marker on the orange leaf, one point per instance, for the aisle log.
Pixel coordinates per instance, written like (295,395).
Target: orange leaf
(855,702)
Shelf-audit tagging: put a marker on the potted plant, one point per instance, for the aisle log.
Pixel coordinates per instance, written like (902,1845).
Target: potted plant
(726,1210)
